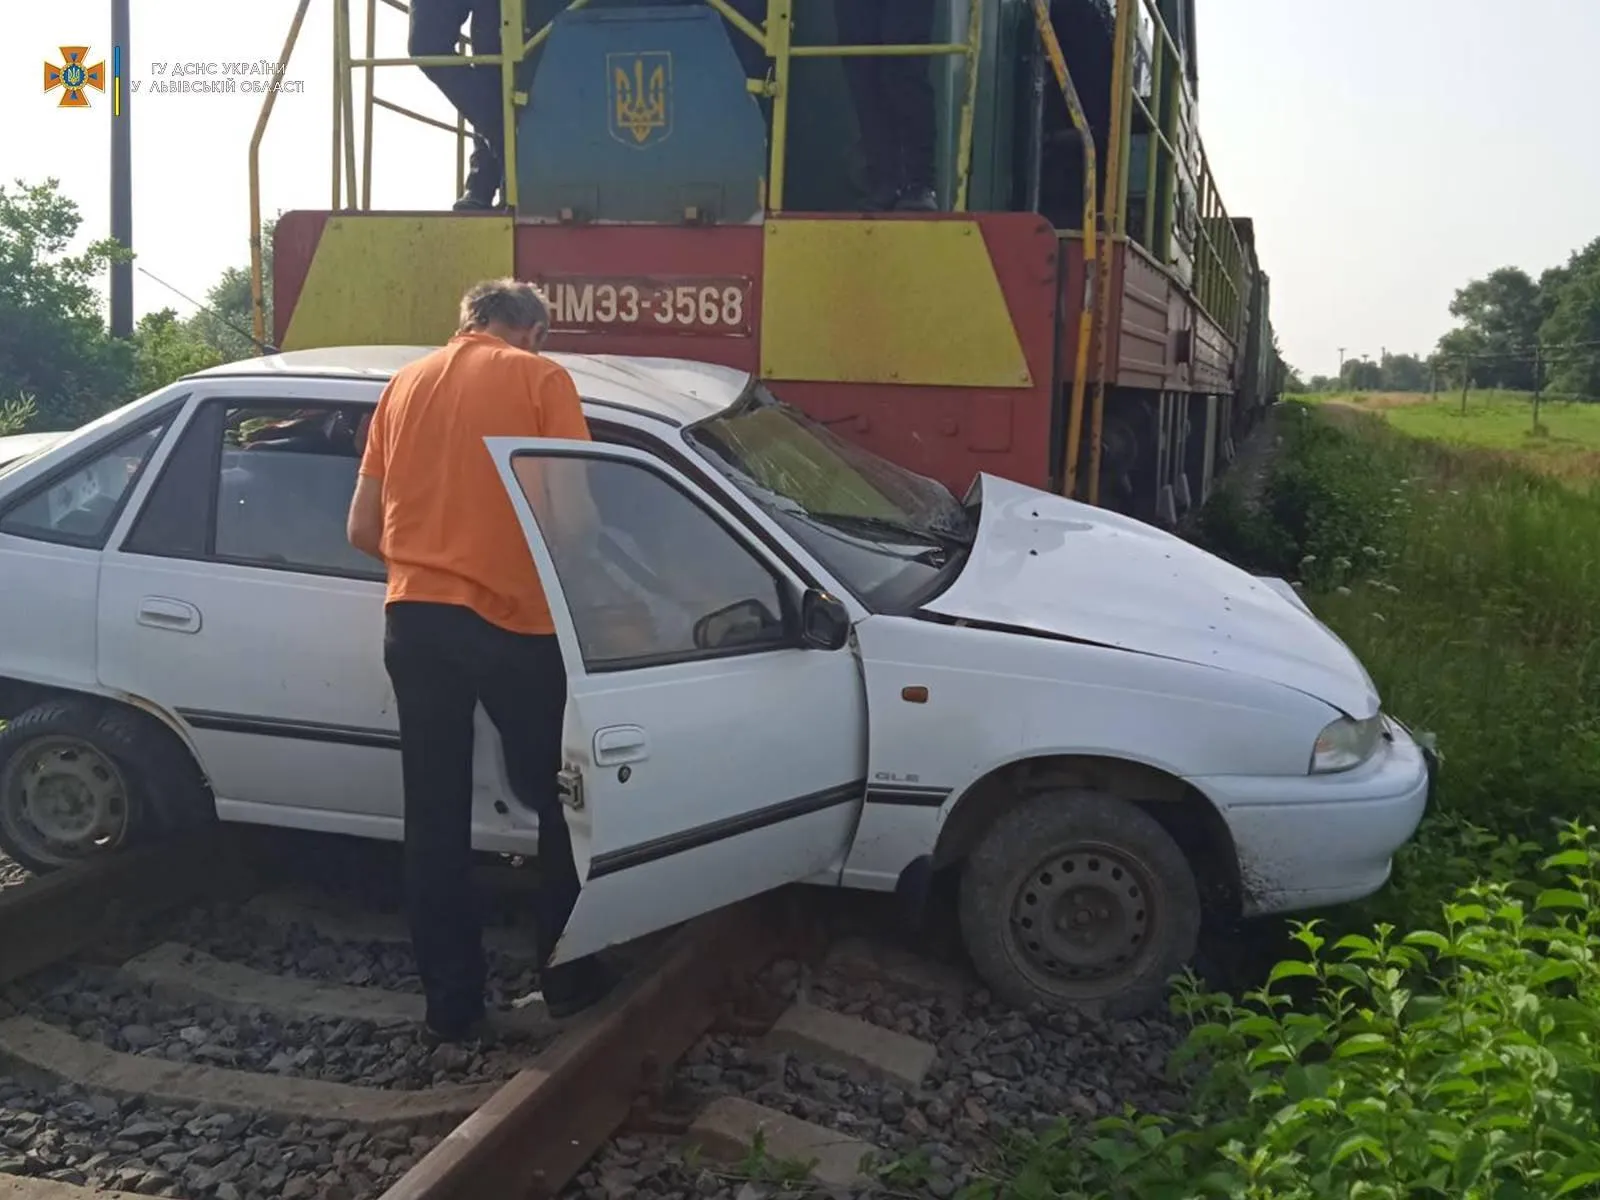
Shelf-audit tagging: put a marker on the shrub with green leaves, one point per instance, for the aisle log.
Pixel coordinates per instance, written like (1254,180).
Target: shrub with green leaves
(1460,1062)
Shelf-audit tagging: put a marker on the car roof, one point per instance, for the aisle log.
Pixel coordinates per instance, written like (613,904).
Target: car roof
(677,390)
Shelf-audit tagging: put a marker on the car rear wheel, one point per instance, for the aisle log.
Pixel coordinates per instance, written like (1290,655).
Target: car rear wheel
(1078,899)
(80,780)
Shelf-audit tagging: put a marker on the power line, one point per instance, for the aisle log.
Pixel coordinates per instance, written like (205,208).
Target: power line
(264,347)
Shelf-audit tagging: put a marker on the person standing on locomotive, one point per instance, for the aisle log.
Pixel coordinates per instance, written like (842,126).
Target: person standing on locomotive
(893,97)
(467,622)
(473,91)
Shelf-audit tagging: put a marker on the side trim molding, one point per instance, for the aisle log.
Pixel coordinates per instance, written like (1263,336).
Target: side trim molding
(907,796)
(729,827)
(300,731)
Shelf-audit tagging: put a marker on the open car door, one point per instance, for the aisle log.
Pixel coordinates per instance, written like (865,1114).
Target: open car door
(715,737)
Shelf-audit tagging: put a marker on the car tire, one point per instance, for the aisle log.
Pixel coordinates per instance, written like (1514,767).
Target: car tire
(1078,899)
(113,777)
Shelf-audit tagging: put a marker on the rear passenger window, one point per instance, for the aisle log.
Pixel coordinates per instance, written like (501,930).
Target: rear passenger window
(284,481)
(261,484)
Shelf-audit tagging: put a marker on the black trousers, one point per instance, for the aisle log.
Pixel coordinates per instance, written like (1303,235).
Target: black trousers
(474,91)
(893,96)
(443,660)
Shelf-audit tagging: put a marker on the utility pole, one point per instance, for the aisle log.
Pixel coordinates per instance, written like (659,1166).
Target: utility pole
(1538,383)
(1341,366)
(121,177)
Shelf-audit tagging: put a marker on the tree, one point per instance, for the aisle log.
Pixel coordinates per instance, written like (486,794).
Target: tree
(1571,330)
(228,325)
(1322,383)
(1404,373)
(165,349)
(1500,317)
(54,346)
(1361,375)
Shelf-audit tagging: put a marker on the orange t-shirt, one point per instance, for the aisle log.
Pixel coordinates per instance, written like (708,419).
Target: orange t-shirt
(450,535)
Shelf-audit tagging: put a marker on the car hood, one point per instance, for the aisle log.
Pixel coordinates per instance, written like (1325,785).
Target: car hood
(1053,566)
(20,445)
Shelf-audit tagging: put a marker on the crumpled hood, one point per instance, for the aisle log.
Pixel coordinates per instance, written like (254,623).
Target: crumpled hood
(1053,565)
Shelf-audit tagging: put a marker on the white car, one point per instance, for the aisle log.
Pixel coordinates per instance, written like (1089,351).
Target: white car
(789,661)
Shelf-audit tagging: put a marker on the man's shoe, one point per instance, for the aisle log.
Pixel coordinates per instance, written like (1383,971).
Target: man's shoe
(880,200)
(485,177)
(583,989)
(917,199)
(478,196)
(441,1033)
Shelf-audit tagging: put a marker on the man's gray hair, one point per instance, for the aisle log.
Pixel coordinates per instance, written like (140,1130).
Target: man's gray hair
(508,302)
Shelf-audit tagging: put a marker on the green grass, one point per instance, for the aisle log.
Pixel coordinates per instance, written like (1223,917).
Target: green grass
(1565,442)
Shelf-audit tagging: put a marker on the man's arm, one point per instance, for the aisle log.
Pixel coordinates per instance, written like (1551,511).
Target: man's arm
(567,511)
(364,525)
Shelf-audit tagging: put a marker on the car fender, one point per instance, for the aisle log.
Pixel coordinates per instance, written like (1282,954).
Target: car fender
(93,688)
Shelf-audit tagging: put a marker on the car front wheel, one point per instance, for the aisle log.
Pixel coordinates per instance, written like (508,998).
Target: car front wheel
(1078,899)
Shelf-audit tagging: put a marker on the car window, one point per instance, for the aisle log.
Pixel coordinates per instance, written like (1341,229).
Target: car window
(82,506)
(648,573)
(260,484)
(284,480)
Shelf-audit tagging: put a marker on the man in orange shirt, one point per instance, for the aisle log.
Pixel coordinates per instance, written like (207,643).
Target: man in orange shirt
(466,620)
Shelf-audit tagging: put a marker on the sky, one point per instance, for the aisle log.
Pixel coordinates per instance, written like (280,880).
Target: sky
(1388,150)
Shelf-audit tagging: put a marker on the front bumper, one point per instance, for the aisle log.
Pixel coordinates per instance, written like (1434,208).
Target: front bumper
(1316,840)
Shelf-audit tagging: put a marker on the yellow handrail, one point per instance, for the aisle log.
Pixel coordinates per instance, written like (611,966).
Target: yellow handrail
(1117,159)
(1087,318)
(1218,263)
(969,105)
(258,303)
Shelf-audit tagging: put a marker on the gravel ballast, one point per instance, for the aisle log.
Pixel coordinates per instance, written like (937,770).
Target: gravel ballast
(85,1139)
(998,1072)
(228,933)
(125,1017)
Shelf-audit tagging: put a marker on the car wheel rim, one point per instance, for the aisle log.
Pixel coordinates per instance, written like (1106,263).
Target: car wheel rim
(1083,919)
(62,800)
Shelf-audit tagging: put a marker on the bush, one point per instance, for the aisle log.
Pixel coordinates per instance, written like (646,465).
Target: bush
(15,414)
(1325,514)
(1458,1062)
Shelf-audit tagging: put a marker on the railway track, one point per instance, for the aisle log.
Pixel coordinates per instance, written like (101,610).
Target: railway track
(148,1046)
(199,1022)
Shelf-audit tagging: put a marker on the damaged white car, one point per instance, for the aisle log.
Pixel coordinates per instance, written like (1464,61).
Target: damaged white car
(790,661)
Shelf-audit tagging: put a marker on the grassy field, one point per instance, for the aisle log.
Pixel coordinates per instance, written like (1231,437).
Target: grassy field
(1442,1040)
(1564,443)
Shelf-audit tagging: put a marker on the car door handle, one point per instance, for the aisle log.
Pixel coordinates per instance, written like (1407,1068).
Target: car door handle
(619,744)
(158,612)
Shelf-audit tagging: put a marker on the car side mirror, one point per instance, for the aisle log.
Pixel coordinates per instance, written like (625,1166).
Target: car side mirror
(824,621)
(740,623)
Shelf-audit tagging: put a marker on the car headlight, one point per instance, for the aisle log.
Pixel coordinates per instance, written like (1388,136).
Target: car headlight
(1346,743)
